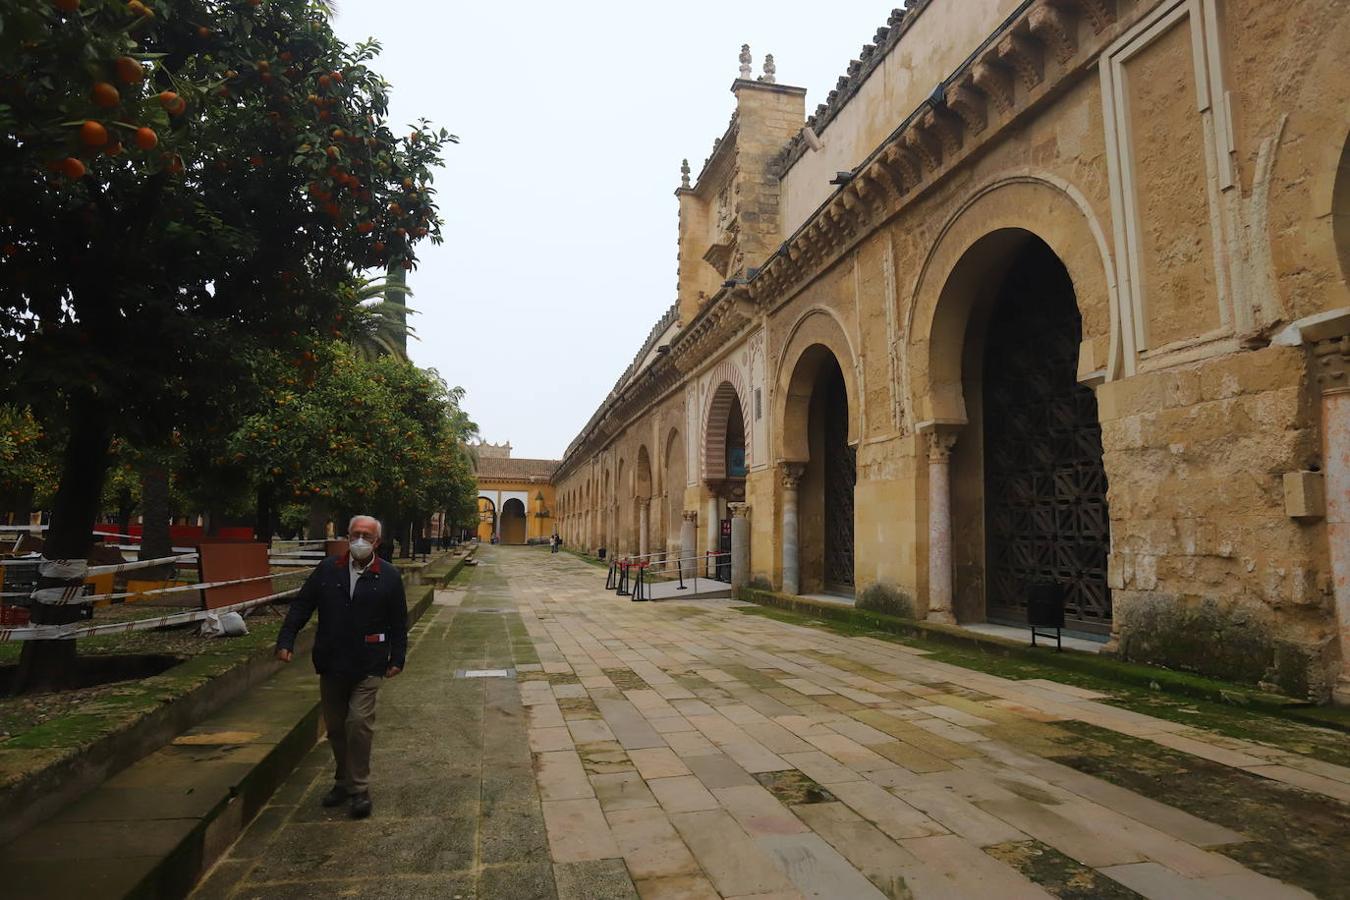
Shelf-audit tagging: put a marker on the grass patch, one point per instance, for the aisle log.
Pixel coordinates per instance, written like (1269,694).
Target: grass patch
(1057,873)
(1178,697)
(587,558)
(1296,836)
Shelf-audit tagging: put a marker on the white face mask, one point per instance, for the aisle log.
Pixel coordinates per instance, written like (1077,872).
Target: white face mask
(361,549)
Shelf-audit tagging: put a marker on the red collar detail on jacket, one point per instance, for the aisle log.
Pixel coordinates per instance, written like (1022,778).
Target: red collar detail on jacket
(374,562)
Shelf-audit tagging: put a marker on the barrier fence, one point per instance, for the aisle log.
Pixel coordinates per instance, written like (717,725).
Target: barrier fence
(91,587)
(633,576)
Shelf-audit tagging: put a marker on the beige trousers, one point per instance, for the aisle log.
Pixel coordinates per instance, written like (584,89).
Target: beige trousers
(349,714)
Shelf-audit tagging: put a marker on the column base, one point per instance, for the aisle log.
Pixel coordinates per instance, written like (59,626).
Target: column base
(941,617)
(1340,694)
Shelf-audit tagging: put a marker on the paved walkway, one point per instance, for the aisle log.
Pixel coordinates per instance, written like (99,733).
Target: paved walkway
(687,750)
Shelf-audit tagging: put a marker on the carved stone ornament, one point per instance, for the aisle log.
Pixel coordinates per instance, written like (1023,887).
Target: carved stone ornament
(746,59)
(940,444)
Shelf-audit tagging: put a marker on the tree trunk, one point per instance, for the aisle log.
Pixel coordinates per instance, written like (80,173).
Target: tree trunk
(156,515)
(125,507)
(317,529)
(264,522)
(50,665)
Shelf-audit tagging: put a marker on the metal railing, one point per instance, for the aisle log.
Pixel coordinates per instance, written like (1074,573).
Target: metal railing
(633,576)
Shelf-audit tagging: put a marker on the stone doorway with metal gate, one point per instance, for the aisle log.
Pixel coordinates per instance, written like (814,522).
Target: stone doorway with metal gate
(1045,509)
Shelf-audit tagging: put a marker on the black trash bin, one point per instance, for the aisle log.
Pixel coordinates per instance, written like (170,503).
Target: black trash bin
(600,553)
(1045,609)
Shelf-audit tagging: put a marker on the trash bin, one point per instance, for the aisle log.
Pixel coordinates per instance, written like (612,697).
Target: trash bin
(600,553)
(1045,609)
(1045,605)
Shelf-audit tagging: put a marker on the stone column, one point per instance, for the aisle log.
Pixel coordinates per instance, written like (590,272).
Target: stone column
(740,544)
(644,506)
(1332,361)
(688,541)
(791,475)
(714,522)
(940,442)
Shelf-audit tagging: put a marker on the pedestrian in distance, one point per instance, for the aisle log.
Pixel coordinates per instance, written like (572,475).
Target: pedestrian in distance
(553,543)
(362,640)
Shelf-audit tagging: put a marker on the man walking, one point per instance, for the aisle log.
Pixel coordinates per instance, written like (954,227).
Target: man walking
(362,640)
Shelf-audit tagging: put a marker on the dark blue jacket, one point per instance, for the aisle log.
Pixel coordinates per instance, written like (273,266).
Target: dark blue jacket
(360,633)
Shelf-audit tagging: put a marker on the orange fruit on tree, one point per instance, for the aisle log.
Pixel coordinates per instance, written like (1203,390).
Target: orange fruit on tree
(146,138)
(72,167)
(128,70)
(113,148)
(365,227)
(203,32)
(66,6)
(167,99)
(105,95)
(324,81)
(93,134)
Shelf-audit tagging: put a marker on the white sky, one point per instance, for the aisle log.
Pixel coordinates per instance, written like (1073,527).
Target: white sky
(560,217)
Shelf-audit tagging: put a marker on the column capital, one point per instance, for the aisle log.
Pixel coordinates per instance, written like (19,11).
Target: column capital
(940,443)
(690,515)
(790,474)
(644,503)
(1331,364)
(739,510)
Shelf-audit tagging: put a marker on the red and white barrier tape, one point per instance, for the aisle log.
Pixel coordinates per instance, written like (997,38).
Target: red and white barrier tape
(76,630)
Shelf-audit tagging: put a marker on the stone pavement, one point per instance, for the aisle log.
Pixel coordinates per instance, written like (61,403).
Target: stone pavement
(687,750)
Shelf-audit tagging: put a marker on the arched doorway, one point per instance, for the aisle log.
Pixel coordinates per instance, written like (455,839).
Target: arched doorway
(512,525)
(726,466)
(487,519)
(1045,512)
(675,479)
(820,450)
(642,491)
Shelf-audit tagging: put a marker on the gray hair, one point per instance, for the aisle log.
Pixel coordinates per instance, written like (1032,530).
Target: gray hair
(379,529)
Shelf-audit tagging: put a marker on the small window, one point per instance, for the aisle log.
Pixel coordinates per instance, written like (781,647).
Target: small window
(759,404)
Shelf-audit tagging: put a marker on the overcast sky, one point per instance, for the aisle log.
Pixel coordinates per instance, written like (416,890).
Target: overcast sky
(560,217)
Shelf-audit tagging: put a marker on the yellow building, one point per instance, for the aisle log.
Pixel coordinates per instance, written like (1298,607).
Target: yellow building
(1044,292)
(515,496)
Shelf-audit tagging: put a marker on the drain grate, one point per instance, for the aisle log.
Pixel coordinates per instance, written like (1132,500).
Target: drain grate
(485,673)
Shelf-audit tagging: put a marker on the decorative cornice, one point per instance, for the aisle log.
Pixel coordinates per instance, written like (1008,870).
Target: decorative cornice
(1015,69)
(859,70)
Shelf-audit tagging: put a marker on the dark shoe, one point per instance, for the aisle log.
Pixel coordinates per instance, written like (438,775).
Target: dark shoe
(360,806)
(336,797)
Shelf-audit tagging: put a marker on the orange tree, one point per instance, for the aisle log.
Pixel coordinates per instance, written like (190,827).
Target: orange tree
(183,183)
(351,435)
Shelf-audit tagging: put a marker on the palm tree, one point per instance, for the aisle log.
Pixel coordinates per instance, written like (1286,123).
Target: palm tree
(381,325)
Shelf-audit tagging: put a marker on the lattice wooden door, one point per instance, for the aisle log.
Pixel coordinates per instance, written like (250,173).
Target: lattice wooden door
(840,477)
(1046,516)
